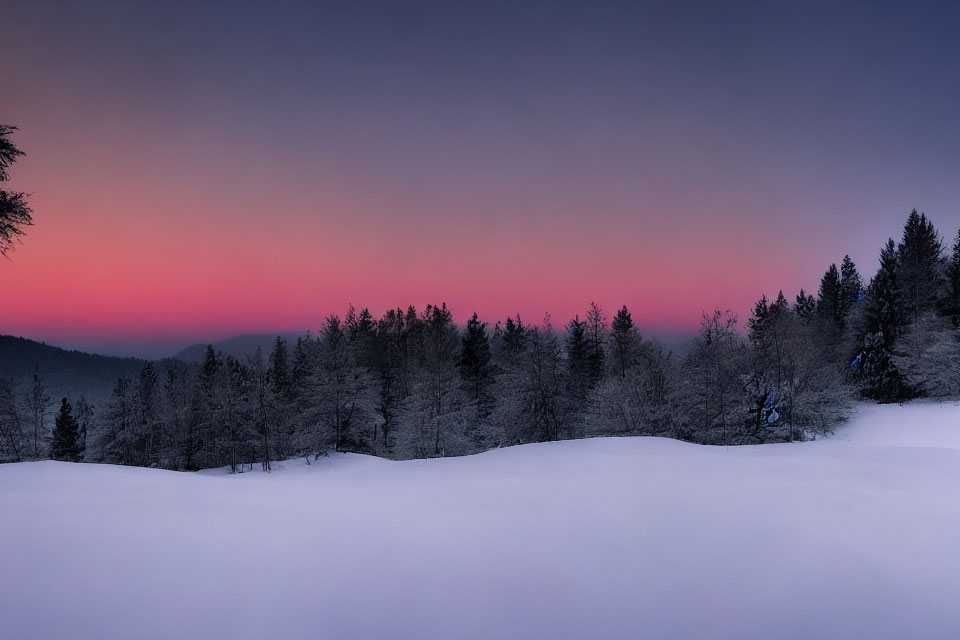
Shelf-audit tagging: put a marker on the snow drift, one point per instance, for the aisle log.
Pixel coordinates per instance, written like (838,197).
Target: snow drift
(853,536)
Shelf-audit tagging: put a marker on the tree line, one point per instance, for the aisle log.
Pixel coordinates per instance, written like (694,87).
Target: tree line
(413,384)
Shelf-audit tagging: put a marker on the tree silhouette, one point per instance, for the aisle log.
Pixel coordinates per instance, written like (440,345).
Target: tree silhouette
(15,213)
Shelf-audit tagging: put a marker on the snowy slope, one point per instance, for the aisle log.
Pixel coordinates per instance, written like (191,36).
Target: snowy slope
(856,536)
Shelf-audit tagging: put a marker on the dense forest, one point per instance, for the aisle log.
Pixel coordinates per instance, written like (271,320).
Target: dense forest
(413,384)
(66,372)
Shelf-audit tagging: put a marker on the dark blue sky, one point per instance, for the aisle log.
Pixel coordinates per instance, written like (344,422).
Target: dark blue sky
(256,165)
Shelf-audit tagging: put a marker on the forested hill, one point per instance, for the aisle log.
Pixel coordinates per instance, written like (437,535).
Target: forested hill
(65,372)
(237,346)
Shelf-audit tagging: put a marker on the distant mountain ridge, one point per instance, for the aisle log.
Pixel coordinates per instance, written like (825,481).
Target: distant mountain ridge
(66,372)
(236,346)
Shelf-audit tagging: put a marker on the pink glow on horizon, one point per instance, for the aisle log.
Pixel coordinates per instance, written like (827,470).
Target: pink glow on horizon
(218,246)
(157,273)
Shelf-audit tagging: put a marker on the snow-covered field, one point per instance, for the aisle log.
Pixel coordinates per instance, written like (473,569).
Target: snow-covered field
(855,536)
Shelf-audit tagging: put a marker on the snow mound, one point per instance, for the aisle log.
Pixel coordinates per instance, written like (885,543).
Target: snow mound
(853,536)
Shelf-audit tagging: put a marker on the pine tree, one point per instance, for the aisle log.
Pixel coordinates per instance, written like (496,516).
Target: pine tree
(474,362)
(882,320)
(84,420)
(850,287)
(625,339)
(920,270)
(300,366)
(577,362)
(279,368)
(207,416)
(440,342)
(65,444)
(361,333)
(805,307)
(828,297)
(514,335)
(15,213)
(596,330)
(758,321)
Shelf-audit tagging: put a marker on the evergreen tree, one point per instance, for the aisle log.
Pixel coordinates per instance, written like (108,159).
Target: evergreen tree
(577,361)
(84,420)
(440,344)
(780,305)
(805,307)
(881,325)
(625,339)
(758,321)
(542,414)
(300,366)
(15,213)
(280,368)
(514,335)
(65,444)
(828,297)
(596,330)
(474,362)
(920,271)
(207,418)
(850,287)
(361,332)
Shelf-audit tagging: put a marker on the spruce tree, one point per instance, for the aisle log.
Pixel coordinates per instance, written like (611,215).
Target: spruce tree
(828,297)
(474,362)
(850,287)
(625,337)
(577,365)
(279,368)
(514,335)
(66,433)
(882,320)
(758,321)
(300,367)
(805,307)
(596,330)
(920,272)
(84,418)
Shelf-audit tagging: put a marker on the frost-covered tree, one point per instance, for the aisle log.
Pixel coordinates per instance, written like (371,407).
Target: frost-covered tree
(928,356)
(260,403)
(85,416)
(829,310)
(12,428)
(805,307)
(579,382)
(474,365)
(851,287)
(920,267)
(596,327)
(624,341)
(65,442)
(116,442)
(712,374)
(440,342)
(542,417)
(882,322)
(38,401)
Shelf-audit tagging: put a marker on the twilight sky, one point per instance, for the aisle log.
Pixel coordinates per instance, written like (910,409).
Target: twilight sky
(206,169)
